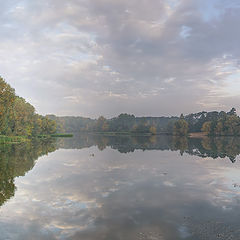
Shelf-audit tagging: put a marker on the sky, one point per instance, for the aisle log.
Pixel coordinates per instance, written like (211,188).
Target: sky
(106,57)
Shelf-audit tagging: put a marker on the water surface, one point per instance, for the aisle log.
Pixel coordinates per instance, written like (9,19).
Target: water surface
(94,187)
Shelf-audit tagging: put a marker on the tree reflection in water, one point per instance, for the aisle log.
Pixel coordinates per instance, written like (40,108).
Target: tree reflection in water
(90,194)
(17,159)
(203,147)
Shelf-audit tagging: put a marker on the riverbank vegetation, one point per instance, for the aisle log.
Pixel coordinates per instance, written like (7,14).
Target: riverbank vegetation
(19,118)
(227,125)
(204,123)
(123,124)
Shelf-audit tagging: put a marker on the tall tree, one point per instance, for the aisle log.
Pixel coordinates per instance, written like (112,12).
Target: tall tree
(180,127)
(18,117)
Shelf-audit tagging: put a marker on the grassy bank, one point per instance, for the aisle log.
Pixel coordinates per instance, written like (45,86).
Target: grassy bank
(12,139)
(62,135)
(55,135)
(20,139)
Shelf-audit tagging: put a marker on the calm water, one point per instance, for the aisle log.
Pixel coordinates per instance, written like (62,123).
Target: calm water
(113,188)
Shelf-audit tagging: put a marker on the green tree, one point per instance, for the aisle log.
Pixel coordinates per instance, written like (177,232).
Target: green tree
(180,127)
(7,97)
(18,117)
(102,125)
(206,128)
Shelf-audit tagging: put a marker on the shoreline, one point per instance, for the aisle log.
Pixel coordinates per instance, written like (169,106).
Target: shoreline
(198,135)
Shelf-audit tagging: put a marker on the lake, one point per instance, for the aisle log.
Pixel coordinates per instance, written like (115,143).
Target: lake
(144,188)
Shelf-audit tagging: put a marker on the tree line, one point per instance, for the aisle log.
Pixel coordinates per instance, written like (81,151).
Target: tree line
(124,123)
(227,125)
(210,123)
(18,117)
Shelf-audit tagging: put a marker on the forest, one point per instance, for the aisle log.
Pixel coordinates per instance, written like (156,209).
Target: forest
(124,123)
(18,117)
(208,123)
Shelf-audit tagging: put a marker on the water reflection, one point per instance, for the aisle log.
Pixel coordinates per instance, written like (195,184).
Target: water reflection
(16,160)
(88,190)
(206,147)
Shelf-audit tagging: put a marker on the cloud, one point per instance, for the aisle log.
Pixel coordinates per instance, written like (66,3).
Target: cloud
(114,56)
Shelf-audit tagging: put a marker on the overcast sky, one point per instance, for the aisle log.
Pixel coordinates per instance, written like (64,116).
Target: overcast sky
(105,57)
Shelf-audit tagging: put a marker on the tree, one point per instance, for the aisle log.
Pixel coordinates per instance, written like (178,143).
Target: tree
(102,124)
(18,117)
(219,128)
(232,112)
(206,128)
(7,97)
(180,127)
